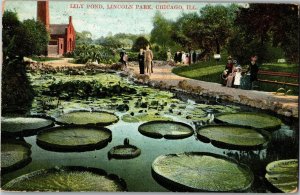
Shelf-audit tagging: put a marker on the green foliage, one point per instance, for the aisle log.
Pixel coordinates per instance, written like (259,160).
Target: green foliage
(140,42)
(84,89)
(162,31)
(23,39)
(132,56)
(276,24)
(216,24)
(109,42)
(84,37)
(160,55)
(84,53)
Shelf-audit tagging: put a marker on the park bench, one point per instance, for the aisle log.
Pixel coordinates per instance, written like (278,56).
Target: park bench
(280,74)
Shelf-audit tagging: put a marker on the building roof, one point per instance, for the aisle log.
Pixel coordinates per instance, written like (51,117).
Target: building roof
(58,29)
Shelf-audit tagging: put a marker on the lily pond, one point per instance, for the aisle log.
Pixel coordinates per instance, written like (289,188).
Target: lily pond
(87,129)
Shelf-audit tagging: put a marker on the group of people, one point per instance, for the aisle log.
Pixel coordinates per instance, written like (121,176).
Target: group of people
(145,58)
(184,57)
(235,76)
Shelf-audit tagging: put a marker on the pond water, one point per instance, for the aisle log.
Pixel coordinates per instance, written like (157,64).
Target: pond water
(156,104)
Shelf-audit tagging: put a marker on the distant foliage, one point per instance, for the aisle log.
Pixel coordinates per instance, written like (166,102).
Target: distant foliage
(140,42)
(83,53)
(85,89)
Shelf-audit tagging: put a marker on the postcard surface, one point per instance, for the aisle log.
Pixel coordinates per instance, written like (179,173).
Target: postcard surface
(149,96)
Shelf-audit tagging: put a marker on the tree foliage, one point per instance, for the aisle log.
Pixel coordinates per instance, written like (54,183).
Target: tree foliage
(140,42)
(25,38)
(268,26)
(84,37)
(208,30)
(109,42)
(84,53)
(162,31)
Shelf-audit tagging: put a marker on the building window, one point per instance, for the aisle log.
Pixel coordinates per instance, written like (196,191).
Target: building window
(60,46)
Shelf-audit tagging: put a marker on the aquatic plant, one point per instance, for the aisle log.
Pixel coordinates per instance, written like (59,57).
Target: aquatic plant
(197,171)
(283,175)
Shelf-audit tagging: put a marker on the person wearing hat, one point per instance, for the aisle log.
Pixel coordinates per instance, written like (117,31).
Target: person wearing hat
(253,70)
(229,65)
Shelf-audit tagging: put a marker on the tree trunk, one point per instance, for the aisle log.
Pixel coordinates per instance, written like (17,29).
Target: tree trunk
(218,46)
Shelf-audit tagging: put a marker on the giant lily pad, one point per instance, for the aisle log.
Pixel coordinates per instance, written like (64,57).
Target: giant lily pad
(65,179)
(74,138)
(233,136)
(23,126)
(143,117)
(166,129)
(201,172)
(85,118)
(256,120)
(125,151)
(14,154)
(283,174)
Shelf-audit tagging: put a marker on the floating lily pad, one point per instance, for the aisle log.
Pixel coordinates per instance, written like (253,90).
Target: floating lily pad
(23,126)
(283,174)
(74,138)
(143,118)
(233,136)
(125,151)
(66,179)
(166,129)
(201,172)
(85,118)
(14,154)
(256,120)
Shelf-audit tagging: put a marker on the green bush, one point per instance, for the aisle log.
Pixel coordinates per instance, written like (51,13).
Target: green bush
(132,56)
(160,55)
(83,53)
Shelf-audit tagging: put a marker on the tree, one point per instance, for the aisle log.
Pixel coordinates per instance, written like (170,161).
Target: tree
(23,39)
(217,23)
(109,42)
(209,30)
(275,24)
(84,37)
(162,31)
(19,39)
(141,42)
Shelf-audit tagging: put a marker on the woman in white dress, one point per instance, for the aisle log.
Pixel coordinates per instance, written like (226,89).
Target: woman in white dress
(183,58)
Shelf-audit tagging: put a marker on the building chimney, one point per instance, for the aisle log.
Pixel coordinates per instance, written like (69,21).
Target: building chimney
(43,13)
(70,19)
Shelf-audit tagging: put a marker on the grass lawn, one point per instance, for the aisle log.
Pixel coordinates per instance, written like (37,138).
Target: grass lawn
(210,71)
(44,59)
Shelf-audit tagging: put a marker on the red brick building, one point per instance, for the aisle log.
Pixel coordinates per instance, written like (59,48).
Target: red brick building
(62,36)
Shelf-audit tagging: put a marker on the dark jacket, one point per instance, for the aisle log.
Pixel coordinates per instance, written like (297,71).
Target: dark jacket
(253,68)
(141,58)
(122,53)
(229,68)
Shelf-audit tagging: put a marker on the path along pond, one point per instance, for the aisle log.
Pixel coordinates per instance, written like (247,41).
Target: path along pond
(58,94)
